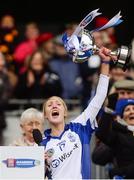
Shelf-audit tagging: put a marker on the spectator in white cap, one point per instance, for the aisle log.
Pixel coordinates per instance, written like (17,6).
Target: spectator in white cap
(124,88)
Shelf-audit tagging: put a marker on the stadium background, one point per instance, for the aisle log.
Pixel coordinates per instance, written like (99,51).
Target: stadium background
(54,14)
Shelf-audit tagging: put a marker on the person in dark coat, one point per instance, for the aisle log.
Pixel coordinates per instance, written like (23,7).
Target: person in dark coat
(119,136)
(38,81)
(102,154)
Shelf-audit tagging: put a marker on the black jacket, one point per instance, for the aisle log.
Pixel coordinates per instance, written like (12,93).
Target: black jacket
(51,87)
(121,141)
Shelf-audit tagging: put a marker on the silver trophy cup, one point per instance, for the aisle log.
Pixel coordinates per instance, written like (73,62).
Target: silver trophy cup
(88,48)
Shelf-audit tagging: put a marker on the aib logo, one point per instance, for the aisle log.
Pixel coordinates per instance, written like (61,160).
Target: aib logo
(61,145)
(21,163)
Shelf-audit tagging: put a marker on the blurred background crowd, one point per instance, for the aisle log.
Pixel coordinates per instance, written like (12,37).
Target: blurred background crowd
(34,66)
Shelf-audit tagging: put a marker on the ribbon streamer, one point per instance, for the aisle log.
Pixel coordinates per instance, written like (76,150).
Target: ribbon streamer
(72,43)
(111,23)
(86,21)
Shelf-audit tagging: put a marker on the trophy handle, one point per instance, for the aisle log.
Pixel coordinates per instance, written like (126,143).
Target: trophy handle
(123,55)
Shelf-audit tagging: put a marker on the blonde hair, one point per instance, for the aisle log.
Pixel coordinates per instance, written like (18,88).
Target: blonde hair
(60,99)
(30,113)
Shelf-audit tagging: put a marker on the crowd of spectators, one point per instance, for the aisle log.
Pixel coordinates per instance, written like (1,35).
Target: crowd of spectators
(37,67)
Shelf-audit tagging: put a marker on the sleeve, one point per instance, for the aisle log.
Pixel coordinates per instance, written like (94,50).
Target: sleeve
(126,172)
(21,52)
(95,105)
(105,131)
(102,154)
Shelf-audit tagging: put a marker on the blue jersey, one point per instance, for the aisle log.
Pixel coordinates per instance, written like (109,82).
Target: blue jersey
(70,152)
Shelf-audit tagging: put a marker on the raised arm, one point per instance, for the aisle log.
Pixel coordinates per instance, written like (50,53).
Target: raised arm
(95,105)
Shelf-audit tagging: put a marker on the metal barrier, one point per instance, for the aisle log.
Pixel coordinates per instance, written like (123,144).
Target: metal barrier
(41,101)
(17,106)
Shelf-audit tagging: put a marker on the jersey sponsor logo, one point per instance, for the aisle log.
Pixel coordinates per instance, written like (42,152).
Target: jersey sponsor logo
(56,162)
(21,163)
(71,137)
(50,152)
(61,145)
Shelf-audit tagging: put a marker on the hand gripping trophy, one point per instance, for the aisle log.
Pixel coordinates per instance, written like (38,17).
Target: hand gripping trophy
(81,44)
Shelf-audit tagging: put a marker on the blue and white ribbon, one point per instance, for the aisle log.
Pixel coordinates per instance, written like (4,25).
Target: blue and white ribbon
(111,23)
(72,43)
(86,21)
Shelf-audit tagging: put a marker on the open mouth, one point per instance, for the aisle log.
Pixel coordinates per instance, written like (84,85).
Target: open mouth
(131,118)
(55,114)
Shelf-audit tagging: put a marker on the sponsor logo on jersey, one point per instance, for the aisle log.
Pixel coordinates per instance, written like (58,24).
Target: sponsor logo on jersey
(56,162)
(61,145)
(71,137)
(21,163)
(50,152)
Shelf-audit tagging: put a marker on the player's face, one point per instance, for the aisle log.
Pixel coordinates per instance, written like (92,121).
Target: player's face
(55,110)
(128,114)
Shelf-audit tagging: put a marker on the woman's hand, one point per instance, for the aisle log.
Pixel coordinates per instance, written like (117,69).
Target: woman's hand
(46,157)
(43,80)
(104,53)
(30,79)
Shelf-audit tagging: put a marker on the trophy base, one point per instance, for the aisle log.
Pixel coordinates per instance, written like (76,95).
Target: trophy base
(123,54)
